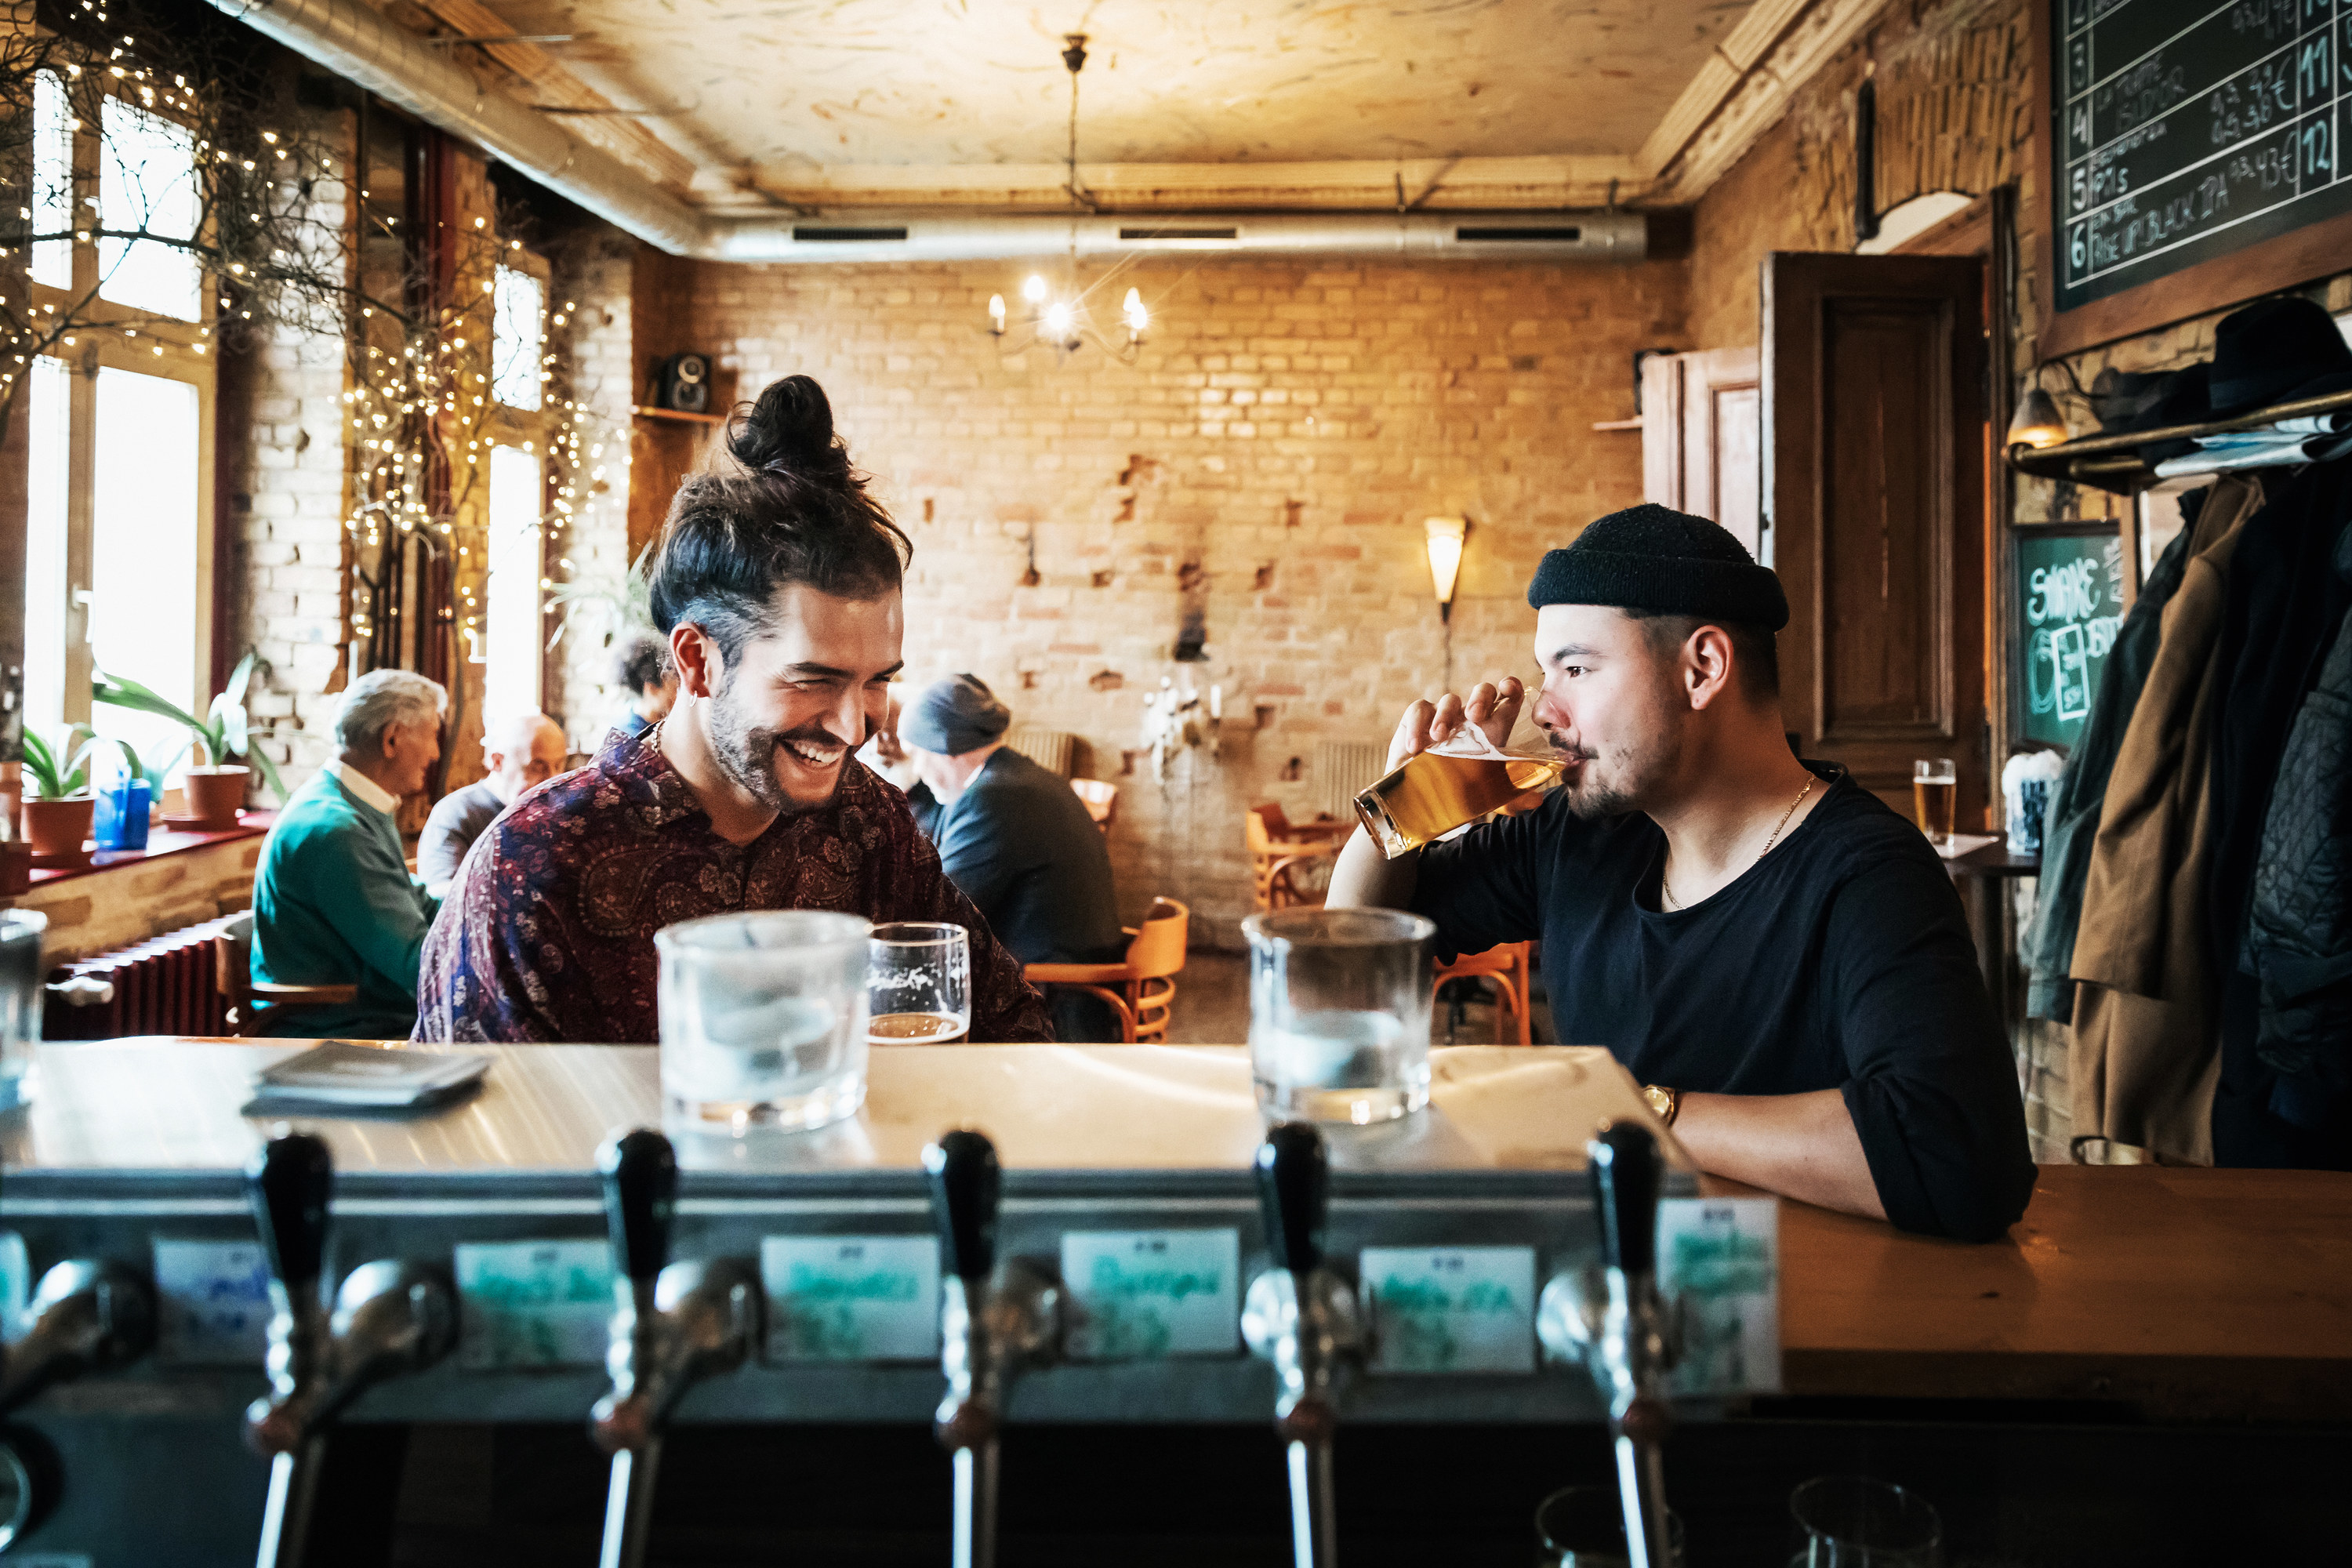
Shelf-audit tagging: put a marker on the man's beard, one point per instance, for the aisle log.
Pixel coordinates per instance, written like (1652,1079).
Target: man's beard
(1634,768)
(747,755)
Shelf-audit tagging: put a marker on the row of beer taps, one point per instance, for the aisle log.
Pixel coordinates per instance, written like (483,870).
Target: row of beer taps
(676,1324)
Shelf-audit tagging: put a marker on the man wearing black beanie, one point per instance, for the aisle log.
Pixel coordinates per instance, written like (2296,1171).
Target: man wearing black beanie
(1775,954)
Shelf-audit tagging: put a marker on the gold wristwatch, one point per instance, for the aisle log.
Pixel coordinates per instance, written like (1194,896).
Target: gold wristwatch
(1666,1103)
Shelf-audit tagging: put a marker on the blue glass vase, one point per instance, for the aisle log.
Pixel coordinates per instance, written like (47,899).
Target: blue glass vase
(123,813)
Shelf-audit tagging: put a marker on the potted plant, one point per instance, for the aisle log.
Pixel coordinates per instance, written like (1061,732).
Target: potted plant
(57,813)
(216,787)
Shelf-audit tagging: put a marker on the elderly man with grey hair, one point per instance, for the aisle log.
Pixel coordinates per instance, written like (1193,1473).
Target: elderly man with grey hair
(333,903)
(521,752)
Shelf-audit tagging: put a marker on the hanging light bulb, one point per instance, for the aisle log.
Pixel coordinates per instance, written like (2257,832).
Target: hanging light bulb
(1034,290)
(1059,320)
(996,314)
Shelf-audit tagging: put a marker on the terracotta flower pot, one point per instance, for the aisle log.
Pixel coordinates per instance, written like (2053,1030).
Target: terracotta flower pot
(57,828)
(213,795)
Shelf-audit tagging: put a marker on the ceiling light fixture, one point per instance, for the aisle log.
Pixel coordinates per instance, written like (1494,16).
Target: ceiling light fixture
(1060,320)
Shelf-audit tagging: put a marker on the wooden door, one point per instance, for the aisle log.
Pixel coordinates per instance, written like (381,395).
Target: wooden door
(1874,512)
(1702,429)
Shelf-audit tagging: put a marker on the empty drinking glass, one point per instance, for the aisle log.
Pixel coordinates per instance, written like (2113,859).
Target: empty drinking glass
(918,985)
(1584,1527)
(1854,1521)
(763,1020)
(1339,1014)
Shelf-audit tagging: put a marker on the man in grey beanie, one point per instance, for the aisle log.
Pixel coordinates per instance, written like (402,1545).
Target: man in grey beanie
(1016,838)
(1777,956)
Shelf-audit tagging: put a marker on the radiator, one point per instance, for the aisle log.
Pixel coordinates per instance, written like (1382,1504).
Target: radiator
(1342,768)
(1051,749)
(164,985)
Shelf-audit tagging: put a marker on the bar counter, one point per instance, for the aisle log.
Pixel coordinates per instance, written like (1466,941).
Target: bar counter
(2174,1294)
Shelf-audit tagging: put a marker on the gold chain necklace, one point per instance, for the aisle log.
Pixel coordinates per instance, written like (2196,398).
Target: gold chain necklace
(1675,903)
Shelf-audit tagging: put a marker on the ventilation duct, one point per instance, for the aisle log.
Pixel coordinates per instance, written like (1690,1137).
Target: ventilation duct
(349,39)
(1423,237)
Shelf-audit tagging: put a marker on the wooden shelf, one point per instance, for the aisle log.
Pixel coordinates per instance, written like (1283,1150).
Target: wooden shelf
(1633,424)
(2111,462)
(679,415)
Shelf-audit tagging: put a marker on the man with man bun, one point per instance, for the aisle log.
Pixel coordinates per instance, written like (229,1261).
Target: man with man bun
(779,588)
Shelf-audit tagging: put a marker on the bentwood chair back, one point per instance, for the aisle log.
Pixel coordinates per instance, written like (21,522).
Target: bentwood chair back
(1142,988)
(232,977)
(1281,858)
(1511,968)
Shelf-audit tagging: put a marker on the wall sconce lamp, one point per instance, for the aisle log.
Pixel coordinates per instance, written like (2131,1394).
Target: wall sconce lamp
(2037,422)
(1445,539)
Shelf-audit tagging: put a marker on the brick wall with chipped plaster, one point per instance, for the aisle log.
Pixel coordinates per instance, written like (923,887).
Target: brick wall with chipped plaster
(1270,457)
(1954,114)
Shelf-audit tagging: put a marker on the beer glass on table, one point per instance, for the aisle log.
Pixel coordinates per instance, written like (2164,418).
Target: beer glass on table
(1935,795)
(919,987)
(763,1020)
(1339,1014)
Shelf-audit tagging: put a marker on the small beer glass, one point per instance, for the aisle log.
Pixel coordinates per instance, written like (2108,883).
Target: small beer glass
(1339,1014)
(763,1020)
(1935,794)
(1854,1521)
(919,984)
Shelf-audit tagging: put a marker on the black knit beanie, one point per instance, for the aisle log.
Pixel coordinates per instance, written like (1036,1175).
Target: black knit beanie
(1649,557)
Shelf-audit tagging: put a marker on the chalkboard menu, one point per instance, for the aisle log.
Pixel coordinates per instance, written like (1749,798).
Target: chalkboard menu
(2184,130)
(2070,601)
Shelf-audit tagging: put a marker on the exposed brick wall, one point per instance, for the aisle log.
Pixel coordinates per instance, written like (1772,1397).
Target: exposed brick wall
(1283,435)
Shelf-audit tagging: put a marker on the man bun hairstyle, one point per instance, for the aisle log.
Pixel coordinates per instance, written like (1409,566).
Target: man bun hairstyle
(796,512)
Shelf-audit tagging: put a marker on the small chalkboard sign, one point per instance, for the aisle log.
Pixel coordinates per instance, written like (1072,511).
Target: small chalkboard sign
(2070,602)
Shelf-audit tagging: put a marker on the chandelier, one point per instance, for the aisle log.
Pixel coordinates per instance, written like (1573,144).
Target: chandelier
(1059,320)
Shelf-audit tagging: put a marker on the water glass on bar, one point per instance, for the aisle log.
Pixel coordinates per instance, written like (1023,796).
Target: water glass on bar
(1339,1014)
(763,1020)
(1855,1522)
(1935,794)
(1584,1527)
(919,984)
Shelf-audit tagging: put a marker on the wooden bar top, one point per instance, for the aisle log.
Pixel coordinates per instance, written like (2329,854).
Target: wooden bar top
(2191,1294)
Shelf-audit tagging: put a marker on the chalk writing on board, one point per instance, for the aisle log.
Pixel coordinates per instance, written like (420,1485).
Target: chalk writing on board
(2071,603)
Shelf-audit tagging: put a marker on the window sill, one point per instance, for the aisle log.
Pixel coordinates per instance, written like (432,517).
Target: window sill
(160,842)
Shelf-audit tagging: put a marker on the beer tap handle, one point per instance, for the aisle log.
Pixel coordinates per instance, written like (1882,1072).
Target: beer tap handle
(640,1176)
(291,1180)
(967,1184)
(1293,1190)
(1627,1171)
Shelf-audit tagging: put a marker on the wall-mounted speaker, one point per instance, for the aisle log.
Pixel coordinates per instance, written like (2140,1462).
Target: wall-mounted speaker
(683,382)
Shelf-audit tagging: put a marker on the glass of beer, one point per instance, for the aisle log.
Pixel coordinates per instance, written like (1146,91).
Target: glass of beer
(919,987)
(1339,1014)
(1437,790)
(763,1020)
(1935,795)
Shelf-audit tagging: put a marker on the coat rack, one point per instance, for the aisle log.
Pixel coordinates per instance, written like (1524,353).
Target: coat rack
(2113,463)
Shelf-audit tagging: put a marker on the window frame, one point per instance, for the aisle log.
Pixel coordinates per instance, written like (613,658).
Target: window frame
(504,424)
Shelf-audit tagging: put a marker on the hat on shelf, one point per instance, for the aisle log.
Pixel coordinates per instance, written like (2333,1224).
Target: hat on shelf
(1649,557)
(2279,350)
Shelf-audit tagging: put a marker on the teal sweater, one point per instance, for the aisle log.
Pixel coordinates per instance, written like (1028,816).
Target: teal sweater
(334,904)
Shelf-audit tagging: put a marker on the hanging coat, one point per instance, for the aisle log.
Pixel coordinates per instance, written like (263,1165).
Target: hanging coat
(2143,1065)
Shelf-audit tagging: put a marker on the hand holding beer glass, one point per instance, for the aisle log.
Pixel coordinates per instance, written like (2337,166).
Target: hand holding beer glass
(1935,795)
(1447,767)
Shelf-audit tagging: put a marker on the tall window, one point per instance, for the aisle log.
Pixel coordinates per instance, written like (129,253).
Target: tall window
(510,646)
(48,608)
(519,341)
(52,181)
(144,549)
(147,184)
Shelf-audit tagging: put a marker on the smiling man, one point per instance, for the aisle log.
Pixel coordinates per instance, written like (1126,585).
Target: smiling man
(779,589)
(1777,956)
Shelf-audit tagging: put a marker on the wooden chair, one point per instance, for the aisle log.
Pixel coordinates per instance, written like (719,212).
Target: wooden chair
(1101,796)
(1279,856)
(233,974)
(1510,968)
(1144,988)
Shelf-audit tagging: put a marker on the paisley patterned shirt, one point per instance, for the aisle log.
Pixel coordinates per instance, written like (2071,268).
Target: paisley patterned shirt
(548,932)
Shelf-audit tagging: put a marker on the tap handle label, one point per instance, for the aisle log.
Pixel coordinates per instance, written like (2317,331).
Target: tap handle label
(1627,1169)
(1294,1191)
(966,1185)
(640,1174)
(291,1180)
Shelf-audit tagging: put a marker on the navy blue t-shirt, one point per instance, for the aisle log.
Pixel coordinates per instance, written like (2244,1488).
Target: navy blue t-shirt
(1842,960)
